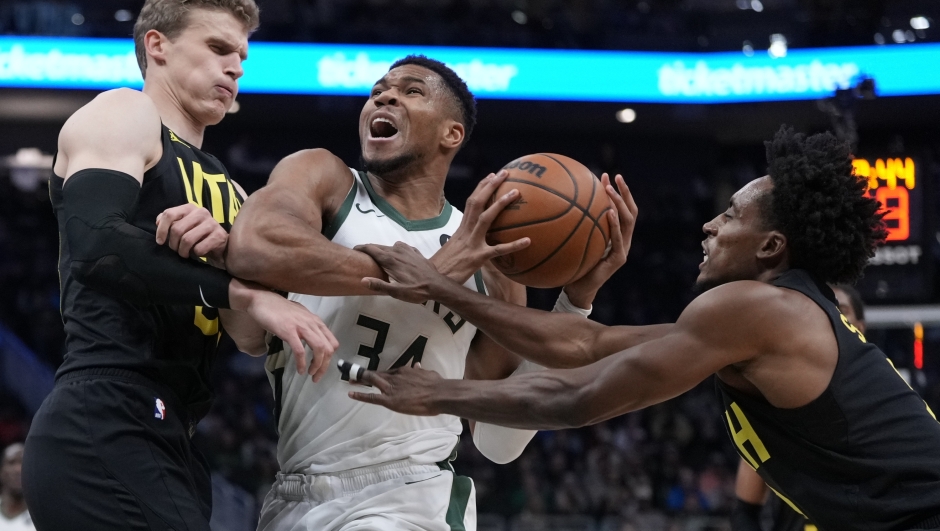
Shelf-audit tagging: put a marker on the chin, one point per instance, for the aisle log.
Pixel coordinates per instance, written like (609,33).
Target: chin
(392,164)
(703,284)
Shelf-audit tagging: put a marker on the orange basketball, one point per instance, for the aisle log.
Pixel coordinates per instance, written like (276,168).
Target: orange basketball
(562,208)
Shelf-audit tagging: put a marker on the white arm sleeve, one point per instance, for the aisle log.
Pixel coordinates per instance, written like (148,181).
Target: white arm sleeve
(500,444)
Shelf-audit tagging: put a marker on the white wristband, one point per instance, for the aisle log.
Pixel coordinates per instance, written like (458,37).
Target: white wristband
(564,305)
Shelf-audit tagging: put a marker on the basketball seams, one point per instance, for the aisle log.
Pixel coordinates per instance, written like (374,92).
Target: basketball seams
(587,243)
(555,250)
(544,220)
(558,213)
(572,202)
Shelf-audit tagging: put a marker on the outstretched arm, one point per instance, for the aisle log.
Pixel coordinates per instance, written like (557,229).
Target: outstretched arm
(555,340)
(712,333)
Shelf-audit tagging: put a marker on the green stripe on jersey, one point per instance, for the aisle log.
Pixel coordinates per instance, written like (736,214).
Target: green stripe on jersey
(459,498)
(343,213)
(393,214)
(478,277)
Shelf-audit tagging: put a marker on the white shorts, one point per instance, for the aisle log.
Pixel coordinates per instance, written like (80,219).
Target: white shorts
(399,496)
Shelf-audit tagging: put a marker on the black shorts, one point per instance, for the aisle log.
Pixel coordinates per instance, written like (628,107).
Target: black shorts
(99,456)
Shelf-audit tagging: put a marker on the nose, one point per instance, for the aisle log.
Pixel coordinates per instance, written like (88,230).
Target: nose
(710,228)
(234,68)
(387,97)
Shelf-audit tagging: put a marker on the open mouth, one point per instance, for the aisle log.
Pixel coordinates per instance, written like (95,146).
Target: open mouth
(382,128)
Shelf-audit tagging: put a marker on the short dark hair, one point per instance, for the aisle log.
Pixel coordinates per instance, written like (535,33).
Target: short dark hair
(466,103)
(855,299)
(831,224)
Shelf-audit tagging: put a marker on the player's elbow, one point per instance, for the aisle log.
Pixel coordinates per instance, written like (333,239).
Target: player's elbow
(254,346)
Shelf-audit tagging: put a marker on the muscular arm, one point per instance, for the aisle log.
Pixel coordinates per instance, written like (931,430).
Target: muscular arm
(486,359)
(278,240)
(548,339)
(119,130)
(104,150)
(721,328)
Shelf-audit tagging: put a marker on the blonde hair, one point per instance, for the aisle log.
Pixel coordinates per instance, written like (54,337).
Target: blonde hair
(169,17)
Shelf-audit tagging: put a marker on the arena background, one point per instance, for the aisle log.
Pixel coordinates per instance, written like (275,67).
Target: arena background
(668,467)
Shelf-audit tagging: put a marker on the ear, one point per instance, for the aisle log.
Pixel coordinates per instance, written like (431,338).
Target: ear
(773,248)
(155,44)
(453,134)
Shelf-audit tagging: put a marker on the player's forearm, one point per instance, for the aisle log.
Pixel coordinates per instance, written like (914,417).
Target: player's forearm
(284,253)
(244,331)
(547,400)
(548,339)
(553,339)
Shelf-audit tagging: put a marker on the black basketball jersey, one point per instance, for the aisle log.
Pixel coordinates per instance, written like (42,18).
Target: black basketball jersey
(864,455)
(171,344)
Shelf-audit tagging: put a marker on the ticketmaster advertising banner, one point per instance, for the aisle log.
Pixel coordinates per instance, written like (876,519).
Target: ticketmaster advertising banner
(564,75)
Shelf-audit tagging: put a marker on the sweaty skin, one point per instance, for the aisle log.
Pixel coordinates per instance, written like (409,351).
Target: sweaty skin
(758,338)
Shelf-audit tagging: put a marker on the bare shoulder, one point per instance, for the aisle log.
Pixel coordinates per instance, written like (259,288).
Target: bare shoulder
(114,113)
(310,167)
(751,310)
(310,184)
(119,129)
(501,287)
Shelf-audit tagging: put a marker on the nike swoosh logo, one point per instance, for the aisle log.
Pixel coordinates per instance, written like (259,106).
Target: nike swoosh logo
(359,208)
(420,480)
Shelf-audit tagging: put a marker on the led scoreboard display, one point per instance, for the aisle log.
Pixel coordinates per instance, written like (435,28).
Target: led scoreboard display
(901,270)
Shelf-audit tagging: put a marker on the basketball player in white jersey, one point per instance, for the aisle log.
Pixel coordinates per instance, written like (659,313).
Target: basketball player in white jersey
(346,465)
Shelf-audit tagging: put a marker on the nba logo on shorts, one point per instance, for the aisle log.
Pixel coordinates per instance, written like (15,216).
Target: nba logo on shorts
(159,410)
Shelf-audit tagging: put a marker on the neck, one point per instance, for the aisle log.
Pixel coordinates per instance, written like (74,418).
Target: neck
(11,504)
(417,193)
(769,275)
(174,116)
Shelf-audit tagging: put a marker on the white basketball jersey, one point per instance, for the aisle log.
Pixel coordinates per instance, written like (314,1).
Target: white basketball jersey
(322,429)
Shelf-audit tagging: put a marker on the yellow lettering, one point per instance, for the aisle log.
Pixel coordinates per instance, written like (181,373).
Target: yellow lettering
(175,138)
(851,327)
(209,327)
(197,182)
(746,433)
(233,205)
(189,190)
(215,194)
(909,385)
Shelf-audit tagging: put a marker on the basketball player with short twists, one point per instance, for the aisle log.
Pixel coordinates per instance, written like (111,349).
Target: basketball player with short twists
(345,464)
(141,209)
(819,413)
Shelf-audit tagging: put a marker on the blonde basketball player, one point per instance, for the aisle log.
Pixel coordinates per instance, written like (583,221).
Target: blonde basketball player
(347,465)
